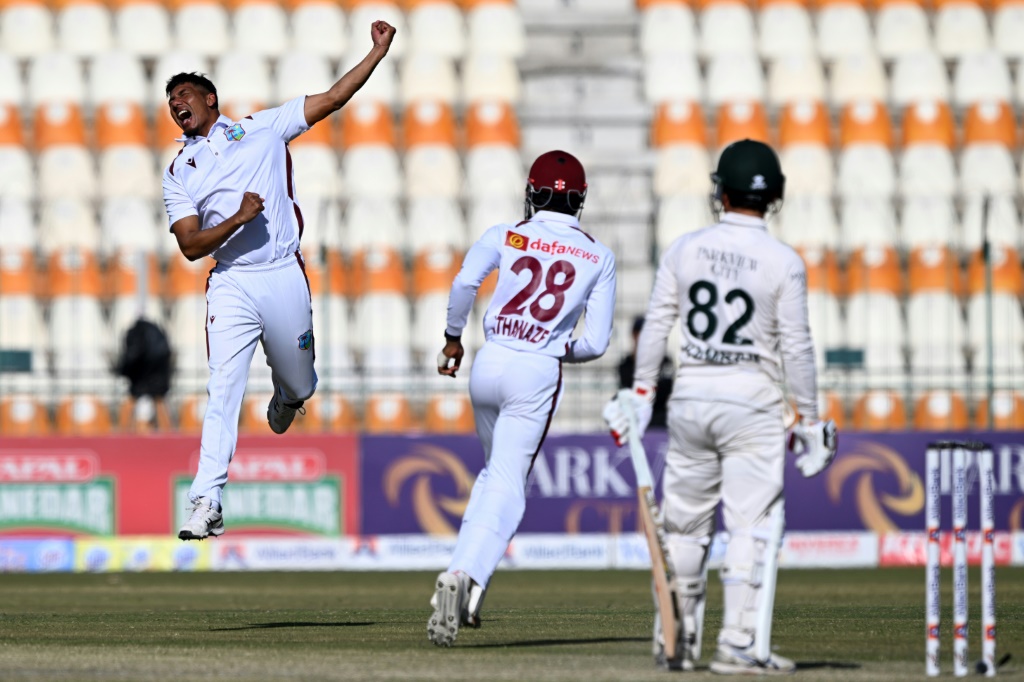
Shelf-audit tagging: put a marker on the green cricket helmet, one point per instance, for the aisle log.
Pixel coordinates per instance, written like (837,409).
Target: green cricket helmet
(750,174)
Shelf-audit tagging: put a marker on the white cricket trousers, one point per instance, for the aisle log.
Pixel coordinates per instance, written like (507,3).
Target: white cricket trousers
(515,395)
(269,302)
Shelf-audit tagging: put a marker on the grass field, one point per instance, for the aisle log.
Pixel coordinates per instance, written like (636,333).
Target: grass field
(838,625)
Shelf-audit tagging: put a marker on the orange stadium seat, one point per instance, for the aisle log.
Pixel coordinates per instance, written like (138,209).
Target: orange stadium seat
(329,276)
(65,164)
(73,273)
(432,166)
(741,120)
(822,270)
(83,415)
(880,411)
(934,268)
(367,123)
(370,165)
(378,270)
(678,123)
(429,123)
(10,126)
(388,413)
(185,277)
(805,123)
(830,406)
(16,176)
(991,122)
(865,123)
(434,270)
(58,125)
(449,413)
(928,123)
(804,141)
(940,411)
(1007,412)
(253,418)
(1006,271)
(121,124)
(640,4)
(191,412)
(18,275)
(22,415)
(679,136)
(491,123)
(874,270)
(122,276)
(331,413)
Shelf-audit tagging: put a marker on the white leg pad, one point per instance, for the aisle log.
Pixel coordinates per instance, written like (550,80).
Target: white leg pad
(689,557)
(742,574)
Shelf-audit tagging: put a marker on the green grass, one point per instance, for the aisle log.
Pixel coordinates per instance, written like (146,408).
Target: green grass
(838,625)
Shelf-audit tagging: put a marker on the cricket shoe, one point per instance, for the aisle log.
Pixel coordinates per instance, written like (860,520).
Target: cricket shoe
(450,597)
(280,415)
(683,659)
(203,522)
(730,660)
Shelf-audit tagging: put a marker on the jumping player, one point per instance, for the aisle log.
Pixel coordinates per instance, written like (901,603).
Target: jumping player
(742,298)
(229,194)
(549,273)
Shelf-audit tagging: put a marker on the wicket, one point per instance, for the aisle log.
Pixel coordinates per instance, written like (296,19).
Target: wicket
(959,454)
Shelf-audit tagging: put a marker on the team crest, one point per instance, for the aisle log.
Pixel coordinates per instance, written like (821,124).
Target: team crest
(234,133)
(515,240)
(306,340)
(758,183)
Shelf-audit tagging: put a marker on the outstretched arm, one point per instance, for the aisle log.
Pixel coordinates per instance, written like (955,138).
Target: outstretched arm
(319,107)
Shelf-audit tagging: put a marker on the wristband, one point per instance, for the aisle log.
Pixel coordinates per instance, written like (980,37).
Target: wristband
(452,337)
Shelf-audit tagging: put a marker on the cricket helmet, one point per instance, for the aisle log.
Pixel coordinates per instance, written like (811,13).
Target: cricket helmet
(556,181)
(750,174)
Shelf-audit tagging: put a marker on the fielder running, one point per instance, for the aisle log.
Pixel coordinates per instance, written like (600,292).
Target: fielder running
(741,296)
(549,274)
(229,194)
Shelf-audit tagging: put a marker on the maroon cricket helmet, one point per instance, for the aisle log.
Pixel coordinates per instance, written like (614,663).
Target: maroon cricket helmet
(556,172)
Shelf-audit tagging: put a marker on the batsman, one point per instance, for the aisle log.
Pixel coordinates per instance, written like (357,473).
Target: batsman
(741,298)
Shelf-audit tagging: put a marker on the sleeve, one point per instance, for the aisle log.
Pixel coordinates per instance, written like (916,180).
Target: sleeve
(795,342)
(600,314)
(662,313)
(483,257)
(176,200)
(287,120)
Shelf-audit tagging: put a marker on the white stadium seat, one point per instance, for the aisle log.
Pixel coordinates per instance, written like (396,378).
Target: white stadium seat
(433,170)
(919,77)
(55,77)
(26,29)
(867,222)
(678,215)
(496,28)
(117,77)
(681,169)
(301,73)
(1004,226)
(66,171)
(17,226)
(901,29)
(260,28)
(129,224)
(794,78)
(727,28)
(243,83)
(960,29)
(808,169)
(843,30)
(857,77)
(735,77)
(1008,29)
(429,311)
(68,223)
(979,77)
(928,221)
(142,28)
(866,171)
(320,28)
(436,222)
(489,211)
(490,77)
(428,76)
(202,28)
(128,170)
(936,337)
(672,77)
(493,170)
(16,177)
(371,171)
(826,322)
(384,322)
(785,30)
(84,29)
(927,170)
(437,28)
(808,221)
(12,90)
(874,323)
(668,28)
(987,169)
(316,171)
(374,222)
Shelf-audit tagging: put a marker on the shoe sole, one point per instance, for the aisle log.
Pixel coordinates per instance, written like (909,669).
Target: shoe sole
(443,626)
(722,668)
(189,535)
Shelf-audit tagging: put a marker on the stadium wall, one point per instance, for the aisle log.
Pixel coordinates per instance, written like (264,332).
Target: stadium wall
(351,502)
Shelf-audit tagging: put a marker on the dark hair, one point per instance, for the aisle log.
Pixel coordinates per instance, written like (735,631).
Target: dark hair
(193,78)
(747,200)
(546,200)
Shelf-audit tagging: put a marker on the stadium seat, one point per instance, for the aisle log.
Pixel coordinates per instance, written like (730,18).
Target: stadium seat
(432,167)
(127,166)
(299,73)
(168,64)
(17,181)
(865,163)
(785,29)
(493,164)
(68,223)
(844,30)
(928,221)
(679,138)
(436,27)
(128,223)
(678,215)
(830,406)
(84,27)
(201,27)
(362,13)
(187,278)
(142,27)
(741,120)
(83,415)
(940,410)
(960,28)
(667,28)
(26,29)
(449,413)
(927,170)
(319,27)
(430,311)
(981,77)
(822,270)
(495,27)
(726,27)
(330,413)
(875,325)
(867,223)
(370,164)
(253,416)
(901,28)
(434,268)
(22,326)
(936,338)
(55,78)
(23,415)
(672,77)
(1006,271)
(734,77)
(243,84)
(12,89)
(795,78)
(874,269)
(372,222)
(827,328)
(986,169)
(934,268)
(66,168)
(1008,28)
(880,411)
(332,319)
(78,334)
(17,231)
(919,76)
(191,411)
(1007,412)
(808,221)
(436,222)
(1004,228)
(427,76)
(856,78)
(804,142)
(388,413)
(260,28)
(990,123)
(116,77)
(487,77)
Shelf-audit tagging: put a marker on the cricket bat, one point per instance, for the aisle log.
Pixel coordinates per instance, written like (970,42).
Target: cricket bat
(661,567)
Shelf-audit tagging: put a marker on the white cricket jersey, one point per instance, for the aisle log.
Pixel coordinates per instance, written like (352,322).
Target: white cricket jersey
(210,175)
(741,298)
(549,273)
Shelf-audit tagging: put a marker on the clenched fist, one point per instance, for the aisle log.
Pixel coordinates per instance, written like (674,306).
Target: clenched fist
(382,33)
(252,206)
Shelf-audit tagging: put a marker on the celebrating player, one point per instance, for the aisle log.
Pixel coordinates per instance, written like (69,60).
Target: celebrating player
(549,273)
(742,298)
(229,194)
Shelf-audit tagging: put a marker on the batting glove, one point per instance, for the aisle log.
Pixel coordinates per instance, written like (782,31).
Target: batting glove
(641,399)
(815,446)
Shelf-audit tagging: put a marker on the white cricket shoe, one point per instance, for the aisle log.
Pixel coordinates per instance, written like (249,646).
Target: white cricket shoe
(730,660)
(203,522)
(451,596)
(684,658)
(279,415)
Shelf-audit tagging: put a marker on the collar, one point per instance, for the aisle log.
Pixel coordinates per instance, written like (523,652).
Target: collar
(221,122)
(743,220)
(556,217)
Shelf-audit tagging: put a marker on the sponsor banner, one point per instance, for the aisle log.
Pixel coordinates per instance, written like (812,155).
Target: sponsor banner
(1018,549)
(23,555)
(546,551)
(117,486)
(583,484)
(631,551)
(911,549)
(279,554)
(829,550)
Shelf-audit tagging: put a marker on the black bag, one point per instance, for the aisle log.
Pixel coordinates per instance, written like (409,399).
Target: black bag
(146,360)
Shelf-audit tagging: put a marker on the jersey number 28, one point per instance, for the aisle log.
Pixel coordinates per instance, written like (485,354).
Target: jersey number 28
(517,304)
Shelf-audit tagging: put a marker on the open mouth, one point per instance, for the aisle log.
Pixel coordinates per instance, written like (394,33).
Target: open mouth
(184,117)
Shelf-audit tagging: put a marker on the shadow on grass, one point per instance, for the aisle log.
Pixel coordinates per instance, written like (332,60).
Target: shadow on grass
(832,665)
(292,624)
(557,642)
